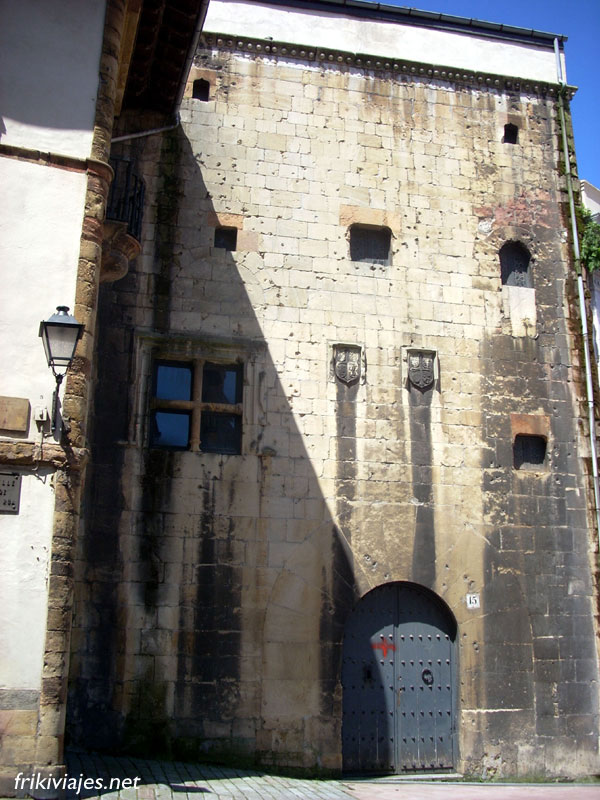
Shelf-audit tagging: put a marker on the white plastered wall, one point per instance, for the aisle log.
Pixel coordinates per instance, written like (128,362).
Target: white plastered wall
(49,59)
(24,558)
(49,72)
(41,216)
(392,40)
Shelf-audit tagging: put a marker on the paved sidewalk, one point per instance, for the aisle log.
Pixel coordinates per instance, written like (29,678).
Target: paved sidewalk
(421,790)
(144,779)
(163,780)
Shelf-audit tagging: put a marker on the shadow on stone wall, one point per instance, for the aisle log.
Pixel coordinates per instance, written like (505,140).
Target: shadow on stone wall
(211,590)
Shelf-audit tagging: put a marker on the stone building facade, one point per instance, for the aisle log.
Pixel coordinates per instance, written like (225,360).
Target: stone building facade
(339,513)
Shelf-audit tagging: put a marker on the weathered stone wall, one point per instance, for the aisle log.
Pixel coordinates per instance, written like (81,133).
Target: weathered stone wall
(214,589)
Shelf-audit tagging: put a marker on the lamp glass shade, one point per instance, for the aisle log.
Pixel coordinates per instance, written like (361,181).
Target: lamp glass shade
(59,336)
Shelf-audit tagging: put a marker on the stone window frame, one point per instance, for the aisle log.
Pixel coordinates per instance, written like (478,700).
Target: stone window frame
(246,241)
(530,425)
(201,90)
(517,304)
(373,218)
(250,354)
(198,74)
(510,124)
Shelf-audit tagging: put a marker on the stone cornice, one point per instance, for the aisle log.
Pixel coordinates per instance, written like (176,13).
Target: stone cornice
(34,454)
(396,67)
(59,160)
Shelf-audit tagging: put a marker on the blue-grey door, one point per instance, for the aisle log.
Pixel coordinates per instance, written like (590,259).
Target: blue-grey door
(398,684)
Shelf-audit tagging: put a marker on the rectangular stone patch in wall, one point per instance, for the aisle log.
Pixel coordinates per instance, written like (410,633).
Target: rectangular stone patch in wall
(14,414)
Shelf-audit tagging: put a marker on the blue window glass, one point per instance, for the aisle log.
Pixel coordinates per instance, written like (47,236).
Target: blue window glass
(221,384)
(173,381)
(170,429)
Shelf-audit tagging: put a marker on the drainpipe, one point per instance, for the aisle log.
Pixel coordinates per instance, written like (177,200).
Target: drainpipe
(126,137)
(580,288)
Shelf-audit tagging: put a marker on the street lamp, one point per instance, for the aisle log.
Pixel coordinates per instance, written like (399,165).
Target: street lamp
(59,334)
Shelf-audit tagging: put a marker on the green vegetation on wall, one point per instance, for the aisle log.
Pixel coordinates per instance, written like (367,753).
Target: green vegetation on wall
(590,241)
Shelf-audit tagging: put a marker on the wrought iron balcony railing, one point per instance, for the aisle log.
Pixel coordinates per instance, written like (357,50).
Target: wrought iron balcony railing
(126,196)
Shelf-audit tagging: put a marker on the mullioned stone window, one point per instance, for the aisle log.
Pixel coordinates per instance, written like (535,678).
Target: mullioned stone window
(197,406)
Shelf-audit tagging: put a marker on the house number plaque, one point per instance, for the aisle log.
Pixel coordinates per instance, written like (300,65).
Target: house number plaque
(10,492)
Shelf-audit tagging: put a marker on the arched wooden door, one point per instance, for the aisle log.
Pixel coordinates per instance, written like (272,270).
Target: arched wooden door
(398,677)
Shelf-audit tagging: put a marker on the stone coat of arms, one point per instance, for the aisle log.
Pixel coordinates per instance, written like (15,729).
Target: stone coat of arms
(421,372)
(347,364)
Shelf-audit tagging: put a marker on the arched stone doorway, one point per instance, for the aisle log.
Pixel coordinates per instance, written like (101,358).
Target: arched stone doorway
(398,679)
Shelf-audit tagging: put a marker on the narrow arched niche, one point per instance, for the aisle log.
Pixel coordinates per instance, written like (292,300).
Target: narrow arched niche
(201,90)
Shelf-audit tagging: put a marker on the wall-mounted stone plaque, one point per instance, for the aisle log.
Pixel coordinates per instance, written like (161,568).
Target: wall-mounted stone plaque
(14,414)
(10,492)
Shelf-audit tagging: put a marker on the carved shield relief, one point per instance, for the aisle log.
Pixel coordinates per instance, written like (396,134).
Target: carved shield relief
(421,368)
(347,363)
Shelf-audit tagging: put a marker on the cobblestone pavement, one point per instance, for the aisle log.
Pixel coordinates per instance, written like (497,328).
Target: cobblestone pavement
(145,779)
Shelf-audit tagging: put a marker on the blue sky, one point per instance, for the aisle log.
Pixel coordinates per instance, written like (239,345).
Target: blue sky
(577,19)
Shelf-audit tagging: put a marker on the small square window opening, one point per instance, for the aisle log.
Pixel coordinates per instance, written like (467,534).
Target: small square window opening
(226,238)
(370,243)
(529,452)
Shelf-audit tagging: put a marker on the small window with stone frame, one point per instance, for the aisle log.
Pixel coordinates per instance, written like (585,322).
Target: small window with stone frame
(370,243)
(515,266)
(197,405)
(529,452)
(201,90)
